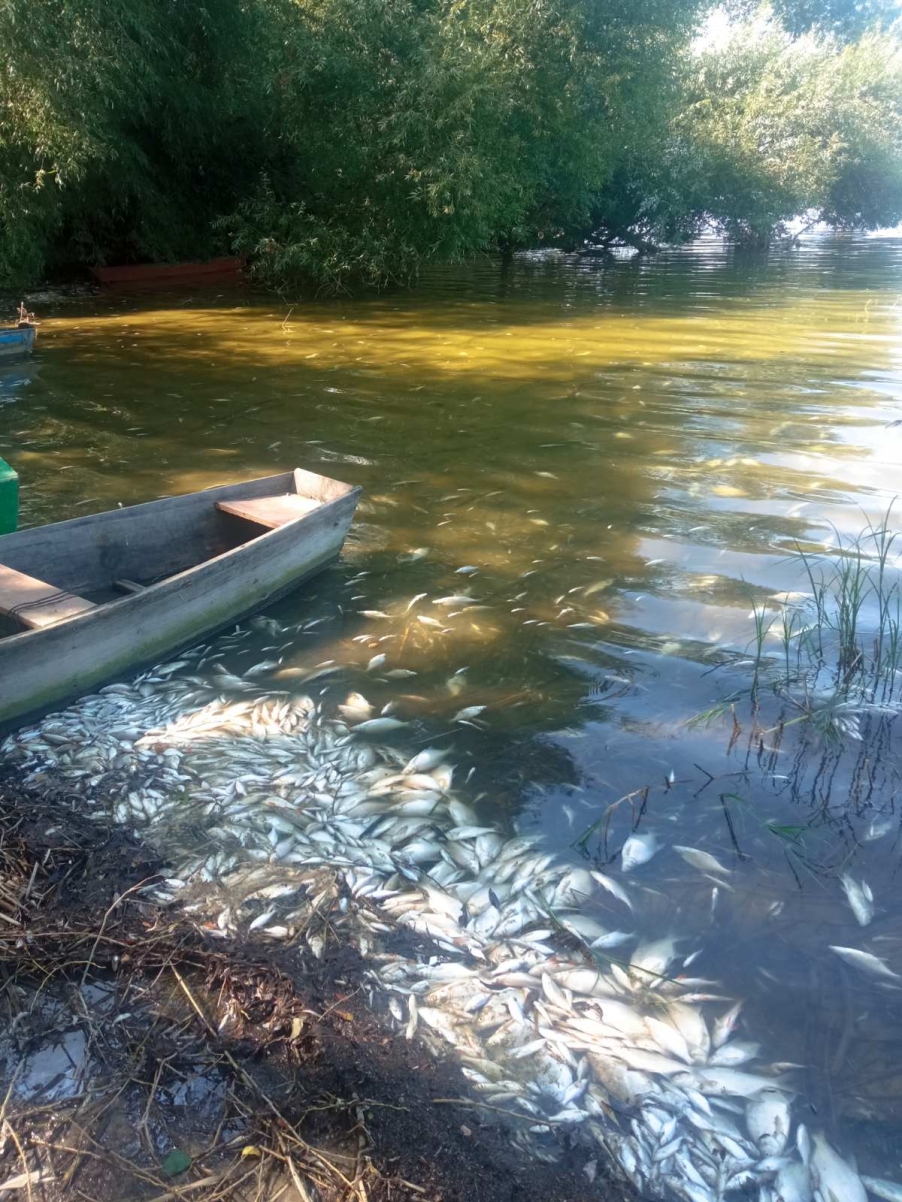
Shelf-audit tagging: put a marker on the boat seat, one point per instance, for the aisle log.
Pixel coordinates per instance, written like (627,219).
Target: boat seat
(35,603)
(270,512)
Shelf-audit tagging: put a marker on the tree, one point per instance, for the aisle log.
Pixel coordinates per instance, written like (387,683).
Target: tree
(846,20)
(768,128)
(435,130)
(122,123)
(343,141)
(783,127)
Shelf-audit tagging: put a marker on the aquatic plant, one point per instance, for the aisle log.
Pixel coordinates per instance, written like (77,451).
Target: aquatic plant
(840,640)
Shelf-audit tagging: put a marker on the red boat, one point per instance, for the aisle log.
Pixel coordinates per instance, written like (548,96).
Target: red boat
(167,274)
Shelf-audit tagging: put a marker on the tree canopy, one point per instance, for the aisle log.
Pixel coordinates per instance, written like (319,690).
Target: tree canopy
(342,141)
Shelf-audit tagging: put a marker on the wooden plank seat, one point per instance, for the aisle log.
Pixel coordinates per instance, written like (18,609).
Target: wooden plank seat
(35,603)
(270,512)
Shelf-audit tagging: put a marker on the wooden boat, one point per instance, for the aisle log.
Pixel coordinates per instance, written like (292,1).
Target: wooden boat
(166,274)
(91,599)
(16,342)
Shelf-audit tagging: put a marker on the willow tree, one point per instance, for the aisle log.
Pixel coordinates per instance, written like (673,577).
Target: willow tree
(846,20)
(768,127)
(425,129)
(783,127)
(123,123)
(342,141)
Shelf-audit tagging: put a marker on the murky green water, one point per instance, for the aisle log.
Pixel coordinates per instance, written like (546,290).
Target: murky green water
(630,455)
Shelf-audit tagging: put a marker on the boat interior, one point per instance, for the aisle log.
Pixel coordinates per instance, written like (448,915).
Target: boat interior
(52,573)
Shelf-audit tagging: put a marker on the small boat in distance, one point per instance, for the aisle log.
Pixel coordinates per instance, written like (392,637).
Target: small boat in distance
(165,275)
(18,341)
(94,598)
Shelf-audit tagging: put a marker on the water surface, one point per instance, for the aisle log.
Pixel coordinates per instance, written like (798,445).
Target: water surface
(630,454)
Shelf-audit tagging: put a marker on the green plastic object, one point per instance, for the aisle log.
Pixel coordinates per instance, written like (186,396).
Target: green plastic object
(9,499)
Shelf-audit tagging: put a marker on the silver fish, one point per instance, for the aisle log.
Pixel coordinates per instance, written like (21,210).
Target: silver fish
(866,962)
(881,1188)
(471,711)
(834,1179)
(638,849)
(768,1122)
(702,860)
(379,726)
(860,898)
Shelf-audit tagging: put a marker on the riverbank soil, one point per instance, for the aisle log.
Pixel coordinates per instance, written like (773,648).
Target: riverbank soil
(141,1059)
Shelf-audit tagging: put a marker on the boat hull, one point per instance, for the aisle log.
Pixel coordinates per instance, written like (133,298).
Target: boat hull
(40,669)
(16,344)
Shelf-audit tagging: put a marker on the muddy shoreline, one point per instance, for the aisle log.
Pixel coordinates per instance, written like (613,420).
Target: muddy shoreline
(144,1059)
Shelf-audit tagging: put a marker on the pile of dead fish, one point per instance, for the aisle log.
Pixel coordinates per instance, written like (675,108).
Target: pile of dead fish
(287,820)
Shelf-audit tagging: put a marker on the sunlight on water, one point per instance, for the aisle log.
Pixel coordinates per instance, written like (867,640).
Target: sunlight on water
(626,458)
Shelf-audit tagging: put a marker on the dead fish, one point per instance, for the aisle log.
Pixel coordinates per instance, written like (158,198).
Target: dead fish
(725,1025)
(792,1183)
(638,849)
(379,726)
(413,600)
(356,708)
(731,1055)
(611,939)
(653,957)
(860,898)
(668,1039)
(427,621)
(865,962)
(702,860)
(373,613)
(425,760)
(726,1082)
(470,711)
(376,662)
(613,888)
(879,827)
(458,599)
(768,1122)
(265,665)
(599,586)
(881,1188)
(835,1180)
(467,570)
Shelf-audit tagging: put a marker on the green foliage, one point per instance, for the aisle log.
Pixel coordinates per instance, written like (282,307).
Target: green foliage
(782,127)
(419,130)
(343,141)
(844,19)
(768,128)
(121,124)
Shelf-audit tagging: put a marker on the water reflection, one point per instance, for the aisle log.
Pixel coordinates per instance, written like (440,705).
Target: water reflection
(629,455)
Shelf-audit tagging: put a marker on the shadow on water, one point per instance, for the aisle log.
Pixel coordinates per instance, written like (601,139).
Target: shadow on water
(141,1060)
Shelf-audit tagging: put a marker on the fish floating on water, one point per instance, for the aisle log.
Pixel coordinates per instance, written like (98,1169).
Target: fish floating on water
(638,849)
(702,860)
(866,962)
(860,898)
(308,829)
